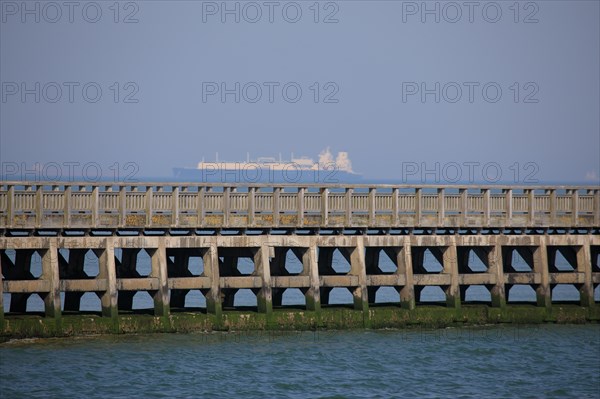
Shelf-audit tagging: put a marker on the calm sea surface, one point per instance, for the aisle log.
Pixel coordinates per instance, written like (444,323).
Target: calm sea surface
(498,361)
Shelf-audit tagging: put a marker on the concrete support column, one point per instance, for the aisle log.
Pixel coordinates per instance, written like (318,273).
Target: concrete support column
(543,291)
(211,270)
(126,268)
(159,271)
(357,268)
(584,265)
(50,274)
(264,296)
(496,268)
(311,268)
(450,264)
(107,271)
(405,267)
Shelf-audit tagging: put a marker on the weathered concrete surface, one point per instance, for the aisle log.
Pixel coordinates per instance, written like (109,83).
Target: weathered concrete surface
(327,318)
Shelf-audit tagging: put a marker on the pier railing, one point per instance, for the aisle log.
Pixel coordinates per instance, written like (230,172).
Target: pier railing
(105,205)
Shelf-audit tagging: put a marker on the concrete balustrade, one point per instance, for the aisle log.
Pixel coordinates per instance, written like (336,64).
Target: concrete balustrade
(194,205)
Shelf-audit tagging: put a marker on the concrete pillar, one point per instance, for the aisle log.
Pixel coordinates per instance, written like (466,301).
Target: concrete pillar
(405,267)
(211,270)
(311,268)
(496,268)
(261,265)
(107,271)
(450,264)
(584,265)
(543,291)
(357,268)
(50,274)
(159,271)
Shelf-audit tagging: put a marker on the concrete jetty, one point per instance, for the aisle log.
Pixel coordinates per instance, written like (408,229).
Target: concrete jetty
(216,226)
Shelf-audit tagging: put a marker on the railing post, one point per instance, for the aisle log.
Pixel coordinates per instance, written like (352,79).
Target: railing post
(175,207)
(348,210)
(251,205)
(395,207)
(226,192)
(486,206)
(372,193)
(122,206)
(200,206)
(324,207)
(301,206)
(39,205)
(508,206)
(552,193)
(67,207)
(531,206)
(95,205)
(10,203)
(276,205)
(575,207)
(418,206)
(149,210)
(597,207)
(464,205)
(441,207)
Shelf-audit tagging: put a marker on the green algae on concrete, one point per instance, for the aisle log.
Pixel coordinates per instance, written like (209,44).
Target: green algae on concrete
(330,318)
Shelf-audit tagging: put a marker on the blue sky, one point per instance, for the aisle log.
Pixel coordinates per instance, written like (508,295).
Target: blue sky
(383,80)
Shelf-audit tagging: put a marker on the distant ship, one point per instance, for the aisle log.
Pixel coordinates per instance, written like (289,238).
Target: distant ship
(271,170)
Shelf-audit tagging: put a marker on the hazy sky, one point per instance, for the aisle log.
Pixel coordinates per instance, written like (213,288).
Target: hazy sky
(382,80)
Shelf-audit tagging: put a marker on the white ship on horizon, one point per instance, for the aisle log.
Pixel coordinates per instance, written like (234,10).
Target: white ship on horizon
(270,169)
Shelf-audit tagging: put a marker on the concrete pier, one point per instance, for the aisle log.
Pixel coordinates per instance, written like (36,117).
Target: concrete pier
(490,228)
